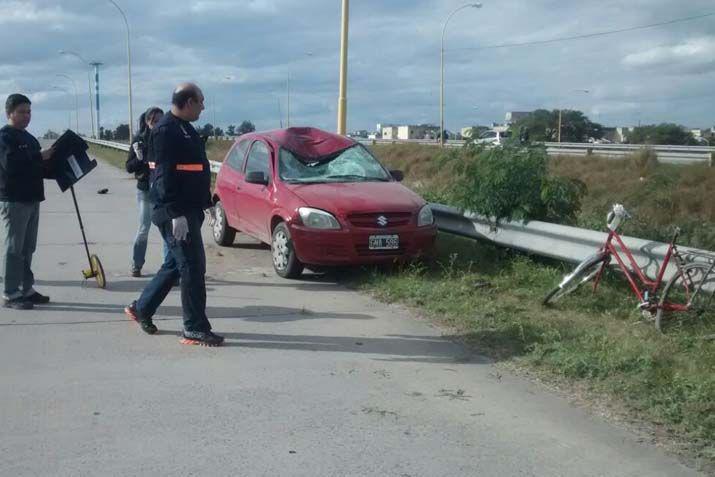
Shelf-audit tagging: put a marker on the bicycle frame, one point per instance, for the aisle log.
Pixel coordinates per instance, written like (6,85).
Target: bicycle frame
(651,286)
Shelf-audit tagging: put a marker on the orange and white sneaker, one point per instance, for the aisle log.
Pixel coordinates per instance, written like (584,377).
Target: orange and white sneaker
(201,338)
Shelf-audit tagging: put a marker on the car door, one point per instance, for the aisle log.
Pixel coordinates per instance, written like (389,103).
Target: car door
(231,180)
(256,200)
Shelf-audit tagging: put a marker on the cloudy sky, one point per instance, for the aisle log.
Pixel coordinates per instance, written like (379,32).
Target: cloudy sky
(241,52)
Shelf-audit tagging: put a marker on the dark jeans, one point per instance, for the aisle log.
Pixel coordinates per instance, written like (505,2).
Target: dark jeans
(188,260)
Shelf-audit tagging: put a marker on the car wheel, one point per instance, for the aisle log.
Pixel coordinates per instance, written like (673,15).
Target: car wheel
(285,262)
(223,233)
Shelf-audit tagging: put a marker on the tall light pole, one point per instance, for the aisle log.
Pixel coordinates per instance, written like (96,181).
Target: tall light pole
(76,98)
(129,72)
(96,66)
(585,91)
(89,85)
(343,95)
(64,90)
(441,57)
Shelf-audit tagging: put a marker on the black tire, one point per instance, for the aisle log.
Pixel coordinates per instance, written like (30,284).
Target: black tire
(285,261)
(583,273)
(223,233)
(675,292)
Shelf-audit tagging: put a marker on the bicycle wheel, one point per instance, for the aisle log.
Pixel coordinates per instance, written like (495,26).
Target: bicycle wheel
(98,271)
(681,295)
(583,273)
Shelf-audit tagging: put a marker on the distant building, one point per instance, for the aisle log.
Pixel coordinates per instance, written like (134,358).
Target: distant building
(617,135)
(422,131)
(514,116)
(389,132)
(359,134)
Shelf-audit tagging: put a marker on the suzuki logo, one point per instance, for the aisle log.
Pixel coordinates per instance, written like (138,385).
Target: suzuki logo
(382,221)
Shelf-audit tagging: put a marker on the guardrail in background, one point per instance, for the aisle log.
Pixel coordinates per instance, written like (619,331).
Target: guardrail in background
(666,154)
(561,242)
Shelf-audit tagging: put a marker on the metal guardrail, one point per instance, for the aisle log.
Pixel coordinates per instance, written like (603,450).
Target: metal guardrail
(561,242)
(215,166)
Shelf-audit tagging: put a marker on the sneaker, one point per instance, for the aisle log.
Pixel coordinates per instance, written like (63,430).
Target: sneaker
(37,298)
(136,272)
(19,304)
(201,338)
(147,326)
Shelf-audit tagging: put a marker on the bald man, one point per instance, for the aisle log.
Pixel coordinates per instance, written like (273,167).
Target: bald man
(180,192)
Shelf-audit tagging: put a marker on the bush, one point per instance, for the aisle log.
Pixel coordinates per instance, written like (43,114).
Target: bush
(512,182)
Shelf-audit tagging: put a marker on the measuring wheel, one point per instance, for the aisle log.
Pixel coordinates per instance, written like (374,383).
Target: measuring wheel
(97,271)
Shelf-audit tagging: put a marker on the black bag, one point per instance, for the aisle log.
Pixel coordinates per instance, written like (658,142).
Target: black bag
(70,162)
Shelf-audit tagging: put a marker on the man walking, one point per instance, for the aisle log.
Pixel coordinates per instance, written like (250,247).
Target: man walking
(21,191)
(180,192)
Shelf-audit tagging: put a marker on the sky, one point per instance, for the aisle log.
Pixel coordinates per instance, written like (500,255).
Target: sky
(243,52)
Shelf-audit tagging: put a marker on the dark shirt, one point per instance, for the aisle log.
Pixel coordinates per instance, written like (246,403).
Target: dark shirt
(182,181)
(21,167)
(139,162)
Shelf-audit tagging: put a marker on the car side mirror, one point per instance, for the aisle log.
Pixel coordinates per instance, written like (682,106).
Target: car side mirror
(399,176)
(257,177)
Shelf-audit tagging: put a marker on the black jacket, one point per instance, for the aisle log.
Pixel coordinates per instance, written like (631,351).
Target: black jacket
(182,181)
(139,163)
(21,167)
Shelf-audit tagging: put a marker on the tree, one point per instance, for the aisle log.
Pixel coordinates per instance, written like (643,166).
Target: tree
(121,133)
(662,134)
(50,134)
(231,130)
(543,125)
(218,131)
(105,134)
(206,130)
(245,128)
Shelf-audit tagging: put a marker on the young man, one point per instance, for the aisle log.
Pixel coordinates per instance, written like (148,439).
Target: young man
(180,192)
(21,191)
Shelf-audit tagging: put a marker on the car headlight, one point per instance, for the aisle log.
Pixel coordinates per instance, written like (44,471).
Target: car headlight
(425,217)
(318,219)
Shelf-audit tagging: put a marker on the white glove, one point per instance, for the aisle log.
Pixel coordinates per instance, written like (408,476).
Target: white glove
(211,213)
(180,228)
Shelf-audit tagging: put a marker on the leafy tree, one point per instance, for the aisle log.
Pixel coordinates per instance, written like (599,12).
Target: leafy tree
(543,126)
(205,130)
(122,132)
(245,128)
(513,182)
(218,131)
(50,134)
(105,134)
(231,130)
(662,134)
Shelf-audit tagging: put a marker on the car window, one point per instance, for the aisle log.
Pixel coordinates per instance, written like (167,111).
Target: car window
(259,159)
(355,164)
(237,154)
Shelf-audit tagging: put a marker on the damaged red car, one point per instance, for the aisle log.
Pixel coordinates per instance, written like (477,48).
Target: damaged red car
(320,200)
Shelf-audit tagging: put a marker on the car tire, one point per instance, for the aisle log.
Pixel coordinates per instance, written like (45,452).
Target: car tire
(223,233)
(285,261)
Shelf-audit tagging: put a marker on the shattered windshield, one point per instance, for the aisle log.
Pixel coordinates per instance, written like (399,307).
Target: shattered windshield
(355,164)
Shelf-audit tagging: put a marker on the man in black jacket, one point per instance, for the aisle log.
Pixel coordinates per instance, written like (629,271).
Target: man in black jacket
(21,191)
(180,192)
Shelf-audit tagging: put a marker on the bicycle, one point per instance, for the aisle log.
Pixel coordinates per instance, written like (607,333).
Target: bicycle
(690,289)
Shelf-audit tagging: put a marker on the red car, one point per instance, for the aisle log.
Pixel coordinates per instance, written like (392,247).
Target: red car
(319,199)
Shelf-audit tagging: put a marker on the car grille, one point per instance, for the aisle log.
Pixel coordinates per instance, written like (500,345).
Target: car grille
(370,221)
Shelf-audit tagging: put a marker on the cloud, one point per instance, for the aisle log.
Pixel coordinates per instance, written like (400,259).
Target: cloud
(695,52)
(15,12)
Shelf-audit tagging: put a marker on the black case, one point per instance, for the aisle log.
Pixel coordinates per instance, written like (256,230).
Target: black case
(70,162)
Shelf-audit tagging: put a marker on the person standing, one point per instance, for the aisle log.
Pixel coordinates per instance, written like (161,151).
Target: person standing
(142,166)
(21,191)
(180,193)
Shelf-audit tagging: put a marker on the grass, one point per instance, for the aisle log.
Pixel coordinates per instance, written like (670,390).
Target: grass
(490,298)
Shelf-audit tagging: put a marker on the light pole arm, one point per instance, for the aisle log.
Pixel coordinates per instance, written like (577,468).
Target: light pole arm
(129,71)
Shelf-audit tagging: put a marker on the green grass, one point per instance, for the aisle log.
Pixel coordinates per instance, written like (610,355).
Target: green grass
(490,298)
(112,156)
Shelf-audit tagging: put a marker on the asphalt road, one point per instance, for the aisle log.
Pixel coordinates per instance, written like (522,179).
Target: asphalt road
(314,380)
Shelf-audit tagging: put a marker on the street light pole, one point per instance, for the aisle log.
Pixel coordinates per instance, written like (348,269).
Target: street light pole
(76,98)
(343,99)
(129,71)
(89,86)
(441,58)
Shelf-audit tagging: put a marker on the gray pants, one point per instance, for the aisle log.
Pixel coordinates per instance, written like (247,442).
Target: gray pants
(20,222)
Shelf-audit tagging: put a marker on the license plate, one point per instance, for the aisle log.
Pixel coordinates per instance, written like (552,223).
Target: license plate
(384,242)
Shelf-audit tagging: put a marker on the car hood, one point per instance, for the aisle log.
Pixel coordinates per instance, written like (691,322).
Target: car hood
(358,197)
